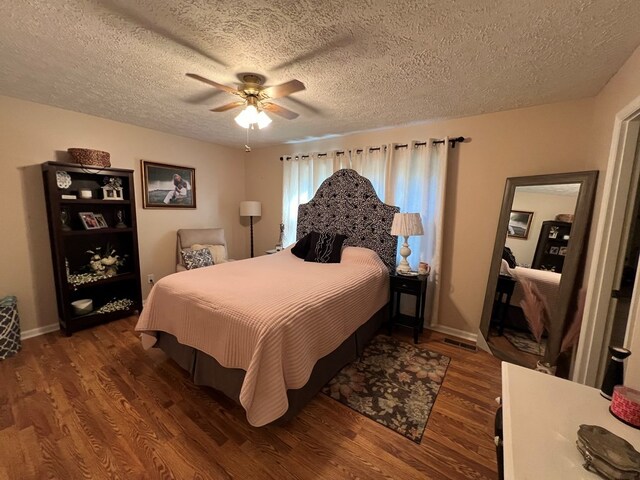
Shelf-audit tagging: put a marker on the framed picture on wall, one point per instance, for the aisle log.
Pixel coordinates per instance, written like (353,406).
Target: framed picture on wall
(168,186)
(519,224)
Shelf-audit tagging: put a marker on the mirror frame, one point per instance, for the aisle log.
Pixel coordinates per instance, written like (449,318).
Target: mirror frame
(582,220)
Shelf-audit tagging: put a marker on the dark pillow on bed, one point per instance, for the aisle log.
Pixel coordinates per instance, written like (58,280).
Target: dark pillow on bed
(325,247)
(301,248)
(507,255)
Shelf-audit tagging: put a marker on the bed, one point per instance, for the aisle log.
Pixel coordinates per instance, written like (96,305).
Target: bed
(546,284)
(269,332)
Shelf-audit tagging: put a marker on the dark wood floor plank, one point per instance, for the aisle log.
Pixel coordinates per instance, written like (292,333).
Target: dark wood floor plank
(96,405)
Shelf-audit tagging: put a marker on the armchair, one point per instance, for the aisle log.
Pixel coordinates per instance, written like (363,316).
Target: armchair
(187,237)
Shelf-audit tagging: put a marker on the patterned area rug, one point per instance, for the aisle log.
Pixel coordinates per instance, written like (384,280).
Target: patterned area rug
(393,383)
(525,342)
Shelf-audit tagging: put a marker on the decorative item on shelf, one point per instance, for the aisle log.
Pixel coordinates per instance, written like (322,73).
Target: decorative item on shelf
(614,375)
(105,262)
(168,186)
(251,208)
(82,306)
(101,221)
(112,188)
(85,194)
(116,305)
(64,219)
(565,217)
(406,225)
(68,197)
(87,157)
(120,218)
(625,405)
(89,220)
(63,179)
(606,454)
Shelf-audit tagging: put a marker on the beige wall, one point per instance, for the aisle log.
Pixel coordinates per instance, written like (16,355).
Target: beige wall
(31,134)
(527,141)
(544,207)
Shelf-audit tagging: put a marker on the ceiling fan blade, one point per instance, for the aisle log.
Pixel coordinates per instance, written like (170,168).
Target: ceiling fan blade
(278,110)
(229,106)
(284,89)
(213,84)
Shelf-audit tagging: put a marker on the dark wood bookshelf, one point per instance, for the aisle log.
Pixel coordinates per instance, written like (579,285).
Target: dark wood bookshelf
(69,246)
(552,247)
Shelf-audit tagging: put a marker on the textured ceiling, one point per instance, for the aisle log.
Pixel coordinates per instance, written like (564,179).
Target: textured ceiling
(567,189)
(366,63)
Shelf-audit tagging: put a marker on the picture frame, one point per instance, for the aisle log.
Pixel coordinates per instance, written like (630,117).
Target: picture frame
(168,186)
(519,224)
(553,250)
(563,251)
(101,221)
(89,220)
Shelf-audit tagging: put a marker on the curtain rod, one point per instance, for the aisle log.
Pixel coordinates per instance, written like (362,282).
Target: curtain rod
(452,141)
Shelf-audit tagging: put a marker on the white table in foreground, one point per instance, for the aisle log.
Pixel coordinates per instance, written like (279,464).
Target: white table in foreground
(541,416)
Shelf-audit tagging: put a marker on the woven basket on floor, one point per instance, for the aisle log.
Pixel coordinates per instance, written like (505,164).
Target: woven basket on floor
(9,327)
(90,158)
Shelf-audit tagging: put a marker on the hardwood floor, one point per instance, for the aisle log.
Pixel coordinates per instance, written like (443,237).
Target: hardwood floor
(96,405)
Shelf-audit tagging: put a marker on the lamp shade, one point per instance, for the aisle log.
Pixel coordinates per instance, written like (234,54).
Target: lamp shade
(407,224)
(250,208)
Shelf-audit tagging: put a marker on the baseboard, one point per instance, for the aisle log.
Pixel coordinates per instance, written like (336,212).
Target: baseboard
(454,332)
(34,332)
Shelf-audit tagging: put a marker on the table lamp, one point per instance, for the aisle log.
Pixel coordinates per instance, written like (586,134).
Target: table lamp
(251,209)
(406,225)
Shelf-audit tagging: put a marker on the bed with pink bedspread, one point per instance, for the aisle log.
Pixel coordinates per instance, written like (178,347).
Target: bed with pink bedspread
(270,331)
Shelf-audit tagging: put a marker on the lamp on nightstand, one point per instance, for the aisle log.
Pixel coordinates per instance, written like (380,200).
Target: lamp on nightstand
(251,209)
(406,225)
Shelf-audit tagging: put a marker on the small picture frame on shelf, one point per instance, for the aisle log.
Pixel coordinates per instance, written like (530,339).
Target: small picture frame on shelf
(89,220)
(101,221)
(562,251)
(109,193)
(553,232)
(553,250)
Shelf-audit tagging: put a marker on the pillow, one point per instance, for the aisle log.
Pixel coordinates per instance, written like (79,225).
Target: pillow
(301,248)
(325,247)
(507,255)
(218,252)
(196,258)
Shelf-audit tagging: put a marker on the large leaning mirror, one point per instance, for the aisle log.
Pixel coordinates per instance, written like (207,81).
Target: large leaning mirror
(531,296)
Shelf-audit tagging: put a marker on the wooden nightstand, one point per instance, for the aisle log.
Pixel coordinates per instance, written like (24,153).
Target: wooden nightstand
(416,286)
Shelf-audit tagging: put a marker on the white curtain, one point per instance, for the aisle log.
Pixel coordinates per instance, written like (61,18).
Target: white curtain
(302,175)
(412,178)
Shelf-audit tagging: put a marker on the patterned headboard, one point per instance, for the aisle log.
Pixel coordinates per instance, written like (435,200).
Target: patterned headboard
(346,203)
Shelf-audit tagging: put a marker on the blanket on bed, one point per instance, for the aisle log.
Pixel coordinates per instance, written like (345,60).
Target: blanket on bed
(273,316)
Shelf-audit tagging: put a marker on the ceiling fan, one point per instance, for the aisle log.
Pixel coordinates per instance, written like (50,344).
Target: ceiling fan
(255,98)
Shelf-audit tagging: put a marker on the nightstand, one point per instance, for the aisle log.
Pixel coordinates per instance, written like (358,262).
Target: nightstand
(416,286)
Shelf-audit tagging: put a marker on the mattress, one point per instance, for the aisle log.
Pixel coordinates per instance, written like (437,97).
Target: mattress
(273,317)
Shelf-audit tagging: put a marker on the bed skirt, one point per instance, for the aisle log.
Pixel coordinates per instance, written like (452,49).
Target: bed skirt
(206,371)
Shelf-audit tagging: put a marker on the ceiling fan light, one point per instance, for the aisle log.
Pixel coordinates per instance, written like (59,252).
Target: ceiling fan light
(263,120)
(242,120)
(251,113)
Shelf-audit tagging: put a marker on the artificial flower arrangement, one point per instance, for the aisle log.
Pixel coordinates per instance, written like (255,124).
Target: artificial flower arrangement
(103,263)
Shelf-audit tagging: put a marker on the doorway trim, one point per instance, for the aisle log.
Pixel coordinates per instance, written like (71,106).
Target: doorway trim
(617,184)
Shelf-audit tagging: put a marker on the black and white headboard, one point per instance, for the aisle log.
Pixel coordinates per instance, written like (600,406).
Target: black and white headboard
(346,203)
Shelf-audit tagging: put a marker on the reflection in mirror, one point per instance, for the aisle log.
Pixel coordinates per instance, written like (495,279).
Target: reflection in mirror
(528,294)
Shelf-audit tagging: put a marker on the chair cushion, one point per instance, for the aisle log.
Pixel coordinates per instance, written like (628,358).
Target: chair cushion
(325,247)
(196,258)
(218,252)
